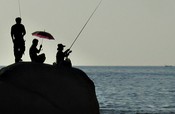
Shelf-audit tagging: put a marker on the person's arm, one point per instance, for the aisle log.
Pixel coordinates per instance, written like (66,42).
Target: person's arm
(12,34)
(24,31)
(38,51)
(67,52)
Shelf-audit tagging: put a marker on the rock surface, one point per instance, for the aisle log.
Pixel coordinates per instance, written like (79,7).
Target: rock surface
(32,88)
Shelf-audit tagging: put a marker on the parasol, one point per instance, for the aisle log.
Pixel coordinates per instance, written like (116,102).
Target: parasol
(43,34)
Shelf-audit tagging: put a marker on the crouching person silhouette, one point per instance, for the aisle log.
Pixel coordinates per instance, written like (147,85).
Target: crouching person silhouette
(34,53)
(62,57)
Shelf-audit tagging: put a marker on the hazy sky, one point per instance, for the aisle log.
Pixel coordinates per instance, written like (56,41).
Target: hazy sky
(122,32)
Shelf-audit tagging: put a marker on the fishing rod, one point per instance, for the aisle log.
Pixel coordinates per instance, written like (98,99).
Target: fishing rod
(19,5)
(85,24)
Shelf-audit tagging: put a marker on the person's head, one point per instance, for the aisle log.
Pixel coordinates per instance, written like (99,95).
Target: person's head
(60,47)
(18,20)
(35,42)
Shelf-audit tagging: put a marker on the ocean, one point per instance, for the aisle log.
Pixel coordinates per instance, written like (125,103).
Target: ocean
(133,89)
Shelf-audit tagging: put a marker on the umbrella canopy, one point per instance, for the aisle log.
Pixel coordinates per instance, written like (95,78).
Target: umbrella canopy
(43,34)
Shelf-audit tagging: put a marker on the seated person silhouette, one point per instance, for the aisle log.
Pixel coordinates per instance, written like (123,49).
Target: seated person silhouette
(34,53)
(62,57)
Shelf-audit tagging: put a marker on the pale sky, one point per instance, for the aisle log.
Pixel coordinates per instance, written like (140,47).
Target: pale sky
(121,32)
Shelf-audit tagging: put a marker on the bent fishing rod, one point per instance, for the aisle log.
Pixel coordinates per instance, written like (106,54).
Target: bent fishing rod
(19,6)
(85,24)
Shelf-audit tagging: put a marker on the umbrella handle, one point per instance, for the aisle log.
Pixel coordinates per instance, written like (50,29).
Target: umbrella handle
(41,48)
(42,42)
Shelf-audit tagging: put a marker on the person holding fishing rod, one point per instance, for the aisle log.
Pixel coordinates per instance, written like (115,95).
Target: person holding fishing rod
(62,57)
(17,33)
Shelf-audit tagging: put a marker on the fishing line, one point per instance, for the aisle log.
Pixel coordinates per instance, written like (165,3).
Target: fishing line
(85,24)
(19,6)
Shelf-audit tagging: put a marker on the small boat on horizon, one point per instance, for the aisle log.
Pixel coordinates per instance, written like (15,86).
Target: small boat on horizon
(168,66)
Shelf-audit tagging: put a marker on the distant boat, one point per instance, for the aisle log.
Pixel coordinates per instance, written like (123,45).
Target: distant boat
(168,66)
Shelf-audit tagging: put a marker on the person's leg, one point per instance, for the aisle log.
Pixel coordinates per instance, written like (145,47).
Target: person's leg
(16,52)
(22,48)
(41,58)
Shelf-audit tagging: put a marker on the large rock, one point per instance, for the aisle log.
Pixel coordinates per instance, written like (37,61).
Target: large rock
(31,88)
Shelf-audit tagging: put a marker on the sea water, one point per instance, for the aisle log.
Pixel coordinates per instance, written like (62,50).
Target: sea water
(134,90)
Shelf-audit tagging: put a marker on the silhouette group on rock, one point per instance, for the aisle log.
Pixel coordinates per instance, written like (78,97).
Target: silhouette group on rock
(18,32)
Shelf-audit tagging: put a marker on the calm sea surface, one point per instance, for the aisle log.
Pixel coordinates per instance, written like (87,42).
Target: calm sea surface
(131,90)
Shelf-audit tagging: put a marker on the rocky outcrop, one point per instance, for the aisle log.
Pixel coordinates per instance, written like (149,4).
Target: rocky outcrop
(33,88)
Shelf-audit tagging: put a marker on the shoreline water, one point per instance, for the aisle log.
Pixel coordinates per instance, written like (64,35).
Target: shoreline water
(134,89)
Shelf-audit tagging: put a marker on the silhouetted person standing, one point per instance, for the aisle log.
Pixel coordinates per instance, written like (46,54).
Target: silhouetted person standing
(61,57)
(17,33)
(34,53)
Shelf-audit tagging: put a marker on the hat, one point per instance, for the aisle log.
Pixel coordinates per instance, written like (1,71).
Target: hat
(61,45)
